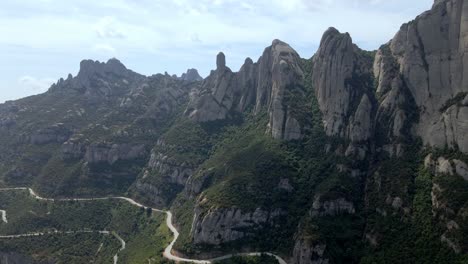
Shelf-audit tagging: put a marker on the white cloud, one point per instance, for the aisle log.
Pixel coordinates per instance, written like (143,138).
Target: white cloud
(107,27)
(104,48)
(35,85)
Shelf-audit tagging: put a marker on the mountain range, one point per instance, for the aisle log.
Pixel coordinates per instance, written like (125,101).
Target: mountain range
(350,156)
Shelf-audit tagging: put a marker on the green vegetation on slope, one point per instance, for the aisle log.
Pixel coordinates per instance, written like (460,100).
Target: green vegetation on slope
(65,248)
(144,231)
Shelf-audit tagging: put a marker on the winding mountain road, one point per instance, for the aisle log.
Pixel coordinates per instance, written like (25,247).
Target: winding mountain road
(122,247)
(168,250)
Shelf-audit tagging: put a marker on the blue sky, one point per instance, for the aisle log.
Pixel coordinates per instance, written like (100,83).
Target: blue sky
(43,40)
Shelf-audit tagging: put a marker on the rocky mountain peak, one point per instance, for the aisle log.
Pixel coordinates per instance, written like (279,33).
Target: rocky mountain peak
(332,32)
(341,76)
(333,67)
(335,41)
(191,76)
(431,63)
(260,85)
(436,2)
(90,67)
(276,42)
(101,79)
(248,61)
(281,51)
(220,61)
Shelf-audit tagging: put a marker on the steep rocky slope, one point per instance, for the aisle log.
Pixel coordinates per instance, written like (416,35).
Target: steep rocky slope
(427,59)
(88,133)
(339,158)
(264,85)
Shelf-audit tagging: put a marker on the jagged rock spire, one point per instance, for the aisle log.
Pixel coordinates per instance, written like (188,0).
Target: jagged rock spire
(220,61)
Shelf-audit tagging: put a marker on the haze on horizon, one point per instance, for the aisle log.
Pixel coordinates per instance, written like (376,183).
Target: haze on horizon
(44,40)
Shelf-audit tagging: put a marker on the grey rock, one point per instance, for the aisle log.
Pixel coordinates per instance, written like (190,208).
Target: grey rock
(169,168)
(151,192)
(7,122)
(195,185)
(260,85)
(436,2)
(286,72)
(361,123)
(461,168)
(216,97)
(57,133)
(98,81)
(308,252)
(465,101)
(73,149)
(429,163)
(356,151)
(191,76)
(444,166)
(170,97)
(428,55)
(337,62)
(331,207)
(97,153)
(220,61)
(217,225)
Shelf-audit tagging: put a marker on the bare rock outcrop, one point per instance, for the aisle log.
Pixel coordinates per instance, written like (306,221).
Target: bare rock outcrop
(282,63)
(101,80)
(341,77)
(73,149)
(331,207)
(261,85)
(307,252)
(446,166)
(217,225)
(191,76)
(57,133)
(215,99)
(427,57)
(97,153)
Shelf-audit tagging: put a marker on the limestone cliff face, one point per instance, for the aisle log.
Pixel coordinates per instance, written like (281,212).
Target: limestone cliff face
(56,133)
(283,63)
(261,85)
(215,99)
(427,57)
(177,172)
(307,252)
(331,207)
(191,76)
(110,154)
(339,68)
(222,225)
